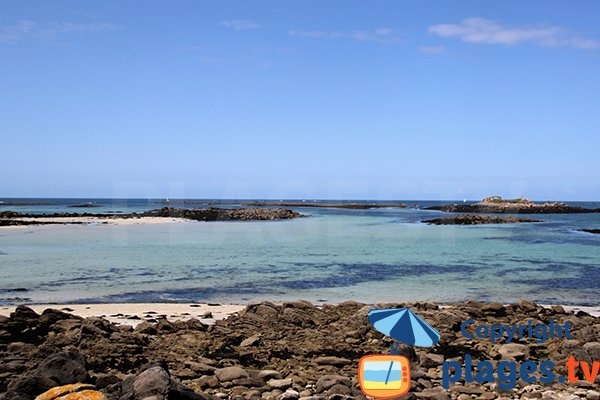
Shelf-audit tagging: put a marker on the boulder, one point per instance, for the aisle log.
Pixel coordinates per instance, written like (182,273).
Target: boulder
(514,351)
(230,373)
(154,382)
(281,384)
(327,381)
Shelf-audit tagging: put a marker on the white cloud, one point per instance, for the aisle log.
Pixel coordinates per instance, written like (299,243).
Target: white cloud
(30,29)
(381,35)
(240,24)
(481,30)
(438,49)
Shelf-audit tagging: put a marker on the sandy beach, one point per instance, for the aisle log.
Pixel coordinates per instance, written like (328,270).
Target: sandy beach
(134,313)
(57,221)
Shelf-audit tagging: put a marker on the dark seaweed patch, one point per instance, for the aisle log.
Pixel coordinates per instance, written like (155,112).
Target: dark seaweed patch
(352,274)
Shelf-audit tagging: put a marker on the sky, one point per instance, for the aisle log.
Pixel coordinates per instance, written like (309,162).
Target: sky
(333,99)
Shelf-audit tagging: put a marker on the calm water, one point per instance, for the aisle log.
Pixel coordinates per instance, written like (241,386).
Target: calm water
(333,255)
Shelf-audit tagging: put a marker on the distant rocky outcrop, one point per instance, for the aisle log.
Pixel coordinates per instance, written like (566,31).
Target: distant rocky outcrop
(8,218)
(85,205)
(23,203)
(498,205)
(223,214)
(470,219)
(360,205)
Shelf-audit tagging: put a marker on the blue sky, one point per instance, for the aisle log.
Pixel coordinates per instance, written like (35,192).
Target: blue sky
(300,99)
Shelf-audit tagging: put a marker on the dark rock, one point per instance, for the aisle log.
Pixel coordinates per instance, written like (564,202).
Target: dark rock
(330,360)
(56,370)
(595,231)
(339,389)
(154,381)
(327,381)
(145,327)
(470,219)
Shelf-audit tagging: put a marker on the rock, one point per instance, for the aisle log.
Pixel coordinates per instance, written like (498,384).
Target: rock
(494,309)
(104,380)
(430,360)
(200,368)
(592,395)
(154,382)
(514,351)
(248,382)
(230,373)
(251,341)
(164,325)
(268,374)
(23,313)
(145,327)
(338,388)
(281,384)
(78,391)
(208,382)
(178,391)
(433,394)
(330,360)
(470,219)
(289,394)
(593,349)
(327,381)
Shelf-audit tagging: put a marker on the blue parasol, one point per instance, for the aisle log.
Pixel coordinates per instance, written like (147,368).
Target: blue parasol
(404,326)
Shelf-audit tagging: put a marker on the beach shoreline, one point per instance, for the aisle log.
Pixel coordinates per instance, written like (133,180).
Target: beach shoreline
(135,313)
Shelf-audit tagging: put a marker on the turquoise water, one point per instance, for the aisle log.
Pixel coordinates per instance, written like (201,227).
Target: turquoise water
(332,255)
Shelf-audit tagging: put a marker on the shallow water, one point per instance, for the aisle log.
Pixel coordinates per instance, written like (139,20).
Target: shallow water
(332,255)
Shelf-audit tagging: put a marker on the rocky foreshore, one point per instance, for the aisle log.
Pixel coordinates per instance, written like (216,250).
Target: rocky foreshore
(470,219)
(9,218)
(496,205)
(275,352)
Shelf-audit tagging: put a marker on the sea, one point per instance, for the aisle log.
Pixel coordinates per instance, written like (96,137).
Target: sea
(331,255)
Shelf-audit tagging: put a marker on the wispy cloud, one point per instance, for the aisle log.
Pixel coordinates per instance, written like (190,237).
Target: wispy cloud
(481,30)
(439,49)
(381,35)
(25,29)
(240,24)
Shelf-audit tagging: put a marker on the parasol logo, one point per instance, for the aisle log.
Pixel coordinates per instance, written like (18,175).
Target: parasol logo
(385,376)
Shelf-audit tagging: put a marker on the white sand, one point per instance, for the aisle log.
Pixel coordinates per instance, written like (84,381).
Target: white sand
(119,312)
(96,221)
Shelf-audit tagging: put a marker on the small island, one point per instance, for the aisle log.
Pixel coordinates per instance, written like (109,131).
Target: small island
(469,219)
(166,214)
(498,205)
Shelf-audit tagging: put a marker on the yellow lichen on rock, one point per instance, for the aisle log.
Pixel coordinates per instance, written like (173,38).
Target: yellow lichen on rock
(76,391)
